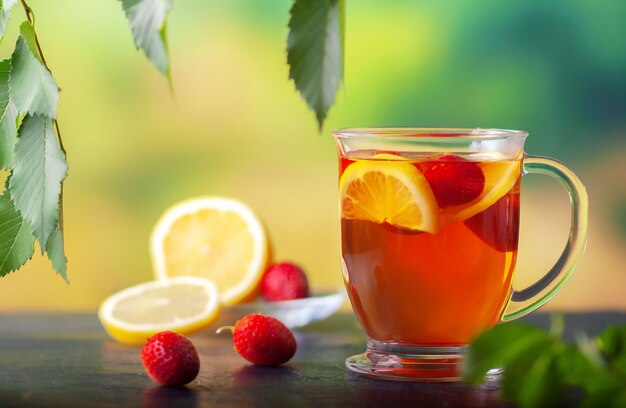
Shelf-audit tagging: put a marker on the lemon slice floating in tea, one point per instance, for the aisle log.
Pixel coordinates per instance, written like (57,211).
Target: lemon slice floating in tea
(388,190)
(500,177)
(216,238)
(184,305)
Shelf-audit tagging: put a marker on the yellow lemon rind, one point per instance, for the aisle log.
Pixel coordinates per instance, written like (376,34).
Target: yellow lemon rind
(409,176)
(125,332)
(246,287)
(463,212)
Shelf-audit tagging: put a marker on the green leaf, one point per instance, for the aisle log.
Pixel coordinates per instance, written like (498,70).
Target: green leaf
(557,325)
(31,86)
(605,390)
(16,239)
(38,170)
(5,15)
(315,47)
(612,342)
(8,115)
(497,347)
(28,34)
(5,69)
(540,369)
(531,379)
(573,366)
(612,346)
(8,136)
(147,19)
(56,253)
(589,350)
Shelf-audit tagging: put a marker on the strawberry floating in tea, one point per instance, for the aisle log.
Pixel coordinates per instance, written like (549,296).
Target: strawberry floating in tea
(498,225)
(454,180)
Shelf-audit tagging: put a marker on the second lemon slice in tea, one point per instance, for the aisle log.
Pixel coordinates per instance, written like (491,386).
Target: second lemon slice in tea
(500,177)
(389,191)
(216,238)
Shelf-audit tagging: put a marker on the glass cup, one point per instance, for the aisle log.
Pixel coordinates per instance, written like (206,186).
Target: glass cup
(429,233)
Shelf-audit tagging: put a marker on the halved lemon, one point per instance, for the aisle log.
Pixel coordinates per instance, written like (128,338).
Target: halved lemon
(388,191)
(183,305)
(500,177)
(216,238)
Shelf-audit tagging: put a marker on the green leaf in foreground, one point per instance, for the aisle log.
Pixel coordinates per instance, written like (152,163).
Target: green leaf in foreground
(526,354)
(147,19)
(56,253)
(499,346)
(5,15)
(8,114)
(38,170)
(612,345)
(531,378)
(530,359)
(540,369)
(315,48)
(16,239)
(31,86)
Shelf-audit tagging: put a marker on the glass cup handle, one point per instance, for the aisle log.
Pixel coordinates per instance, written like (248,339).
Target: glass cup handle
(536,295)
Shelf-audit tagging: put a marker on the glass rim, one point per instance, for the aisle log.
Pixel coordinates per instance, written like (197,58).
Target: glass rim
(441,133)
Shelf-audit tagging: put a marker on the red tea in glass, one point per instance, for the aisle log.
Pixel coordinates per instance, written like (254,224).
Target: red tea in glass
(448,272)
(429,233)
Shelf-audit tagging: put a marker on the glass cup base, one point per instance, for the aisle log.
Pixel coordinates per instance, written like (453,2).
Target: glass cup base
(399,362)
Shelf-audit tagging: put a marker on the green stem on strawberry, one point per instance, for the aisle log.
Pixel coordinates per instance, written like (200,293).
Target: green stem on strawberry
(221,329)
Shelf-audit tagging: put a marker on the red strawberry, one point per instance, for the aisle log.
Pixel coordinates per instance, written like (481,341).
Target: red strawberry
(284,281)
(170,359)
(454,180)
(263,340)
(498,225)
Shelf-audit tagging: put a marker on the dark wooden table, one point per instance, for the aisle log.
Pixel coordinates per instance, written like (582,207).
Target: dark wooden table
(68,361)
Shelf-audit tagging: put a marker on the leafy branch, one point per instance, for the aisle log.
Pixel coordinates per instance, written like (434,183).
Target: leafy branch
(539,368)
(30,16)
(31,204)
(59,256)
(315,45)
(31,146)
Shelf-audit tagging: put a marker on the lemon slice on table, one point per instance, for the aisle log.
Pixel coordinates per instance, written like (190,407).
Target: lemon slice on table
(500,177)
(183,305)
(388,191)
(216,238)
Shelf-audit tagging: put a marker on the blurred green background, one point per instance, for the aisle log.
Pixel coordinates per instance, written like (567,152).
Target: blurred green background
(238,128)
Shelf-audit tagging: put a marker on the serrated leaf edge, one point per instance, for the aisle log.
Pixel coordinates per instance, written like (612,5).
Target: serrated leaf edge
(11,89)
(62,273)
(43,243)
(7,12)
(12,245)
(21,225)
(166,71)
(321,116)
